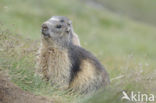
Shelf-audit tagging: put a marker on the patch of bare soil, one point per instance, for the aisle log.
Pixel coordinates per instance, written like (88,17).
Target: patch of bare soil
(10,93)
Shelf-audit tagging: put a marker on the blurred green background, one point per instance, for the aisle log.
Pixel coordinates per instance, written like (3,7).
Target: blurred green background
(121,33)
(141,10)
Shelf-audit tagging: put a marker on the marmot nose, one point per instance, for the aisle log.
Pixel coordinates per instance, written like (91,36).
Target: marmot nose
(45,29)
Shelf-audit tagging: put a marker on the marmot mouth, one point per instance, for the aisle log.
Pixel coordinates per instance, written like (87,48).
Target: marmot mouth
(45,30)
(45,33)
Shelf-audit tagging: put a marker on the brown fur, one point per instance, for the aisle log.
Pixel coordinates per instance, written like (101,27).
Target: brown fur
(88,79)
(83,77)
(49,63)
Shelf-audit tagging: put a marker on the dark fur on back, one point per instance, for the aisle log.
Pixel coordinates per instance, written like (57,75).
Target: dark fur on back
(77,55)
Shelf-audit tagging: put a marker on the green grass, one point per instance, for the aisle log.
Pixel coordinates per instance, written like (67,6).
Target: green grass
(125,47)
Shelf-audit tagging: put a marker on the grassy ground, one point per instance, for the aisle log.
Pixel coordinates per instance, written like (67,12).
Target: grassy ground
(125,47)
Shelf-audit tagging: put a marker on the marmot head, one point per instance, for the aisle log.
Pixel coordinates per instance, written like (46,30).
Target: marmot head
(57,30)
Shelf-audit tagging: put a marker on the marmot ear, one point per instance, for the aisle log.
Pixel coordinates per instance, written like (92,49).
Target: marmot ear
(68,29)
(69,26)
(69,23)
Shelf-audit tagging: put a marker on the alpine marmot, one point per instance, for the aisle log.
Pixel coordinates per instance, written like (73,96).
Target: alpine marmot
(64,63)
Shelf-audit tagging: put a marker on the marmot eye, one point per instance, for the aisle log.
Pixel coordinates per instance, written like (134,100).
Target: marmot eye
(58,26)
(62,21)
